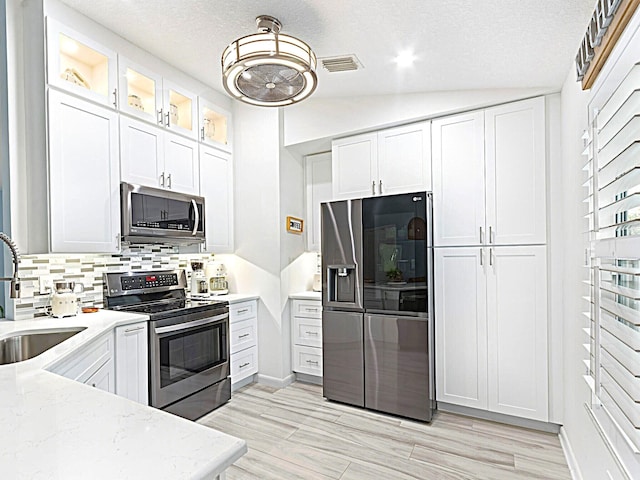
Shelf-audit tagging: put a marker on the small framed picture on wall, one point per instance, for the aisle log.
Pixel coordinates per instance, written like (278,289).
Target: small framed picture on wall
(295,225)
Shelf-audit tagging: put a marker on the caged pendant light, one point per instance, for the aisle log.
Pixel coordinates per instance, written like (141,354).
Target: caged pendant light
(268,68)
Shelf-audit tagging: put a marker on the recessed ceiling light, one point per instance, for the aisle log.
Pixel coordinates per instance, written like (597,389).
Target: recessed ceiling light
(405,58)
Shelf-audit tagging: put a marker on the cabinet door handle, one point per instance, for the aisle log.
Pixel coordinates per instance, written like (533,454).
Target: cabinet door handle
(490,234)
(311,309)
(243,335)
(491,256)
(243,310)
(115,97)
(162,179)
(93,385)
(169,181)
(481,256)
(166,115)
(244,365)
(133,329)
(380,189)
(159,117)
(481,236)
(312,362)
(118,242)
(202,134)
(312,333)
(373,187)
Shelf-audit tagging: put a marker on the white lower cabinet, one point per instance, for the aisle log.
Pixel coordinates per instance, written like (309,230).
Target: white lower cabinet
(132,378)
(93,364)
(243,339)
(491,329)
(306,336)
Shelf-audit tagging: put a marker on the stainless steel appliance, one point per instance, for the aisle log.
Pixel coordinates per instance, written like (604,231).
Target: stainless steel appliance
(153,215)
(189,359)
(377,297)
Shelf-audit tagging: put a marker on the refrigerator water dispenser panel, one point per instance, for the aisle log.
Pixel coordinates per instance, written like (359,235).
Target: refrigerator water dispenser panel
(341,283)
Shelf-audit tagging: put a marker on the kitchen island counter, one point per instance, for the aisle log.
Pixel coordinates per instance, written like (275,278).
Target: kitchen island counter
(56,428)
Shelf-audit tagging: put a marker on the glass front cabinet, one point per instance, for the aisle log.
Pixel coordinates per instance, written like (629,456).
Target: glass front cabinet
(80,65)
(140,91)
(215,125)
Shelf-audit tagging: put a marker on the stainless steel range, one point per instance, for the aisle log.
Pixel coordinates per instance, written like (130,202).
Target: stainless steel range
(189,364)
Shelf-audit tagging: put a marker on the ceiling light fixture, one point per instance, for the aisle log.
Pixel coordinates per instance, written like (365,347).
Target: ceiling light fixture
(268,68)
(405,58)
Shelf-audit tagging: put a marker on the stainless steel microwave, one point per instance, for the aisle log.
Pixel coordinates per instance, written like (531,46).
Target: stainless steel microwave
(153,215)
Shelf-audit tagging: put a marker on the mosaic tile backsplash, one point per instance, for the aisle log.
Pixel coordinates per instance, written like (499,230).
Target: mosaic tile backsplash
(87,269)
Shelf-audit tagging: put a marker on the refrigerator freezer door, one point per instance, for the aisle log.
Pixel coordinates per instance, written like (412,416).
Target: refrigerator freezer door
(342,357)
(342,255)
(396,358)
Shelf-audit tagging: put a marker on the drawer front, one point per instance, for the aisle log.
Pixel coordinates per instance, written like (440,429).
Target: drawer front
(243,334)
(307,308)
(242,311)
(244,364)
(82,365)
(307,331)
(307,360)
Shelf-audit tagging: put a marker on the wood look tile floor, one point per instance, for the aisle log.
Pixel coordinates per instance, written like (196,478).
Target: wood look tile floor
(294,433)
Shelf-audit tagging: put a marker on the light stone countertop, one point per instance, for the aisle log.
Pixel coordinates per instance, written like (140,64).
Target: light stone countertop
(306,296)
(236,297)
(56,428)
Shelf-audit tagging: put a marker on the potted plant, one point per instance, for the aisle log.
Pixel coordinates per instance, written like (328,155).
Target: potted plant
(394,275)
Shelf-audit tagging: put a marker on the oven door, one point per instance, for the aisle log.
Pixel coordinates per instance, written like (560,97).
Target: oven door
(186,354)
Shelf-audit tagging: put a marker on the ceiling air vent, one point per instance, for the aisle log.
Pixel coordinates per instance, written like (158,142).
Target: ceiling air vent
(343,63)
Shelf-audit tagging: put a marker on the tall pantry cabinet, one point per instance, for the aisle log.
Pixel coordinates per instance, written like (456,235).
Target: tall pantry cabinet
(490,259)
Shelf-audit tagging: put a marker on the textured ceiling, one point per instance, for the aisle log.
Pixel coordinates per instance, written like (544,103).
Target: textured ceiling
(458,44)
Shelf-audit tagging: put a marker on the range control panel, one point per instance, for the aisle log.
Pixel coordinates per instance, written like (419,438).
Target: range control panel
(139,282)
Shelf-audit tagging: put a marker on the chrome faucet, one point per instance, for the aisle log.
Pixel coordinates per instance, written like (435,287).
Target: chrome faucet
(15,283)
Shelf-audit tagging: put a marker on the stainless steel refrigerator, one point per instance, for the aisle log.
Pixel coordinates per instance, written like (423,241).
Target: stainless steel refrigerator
(377,298)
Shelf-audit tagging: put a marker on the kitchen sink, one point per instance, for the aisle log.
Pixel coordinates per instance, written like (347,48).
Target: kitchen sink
(18,348)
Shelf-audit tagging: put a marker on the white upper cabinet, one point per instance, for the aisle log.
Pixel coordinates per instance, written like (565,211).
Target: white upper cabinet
(140,91)
(318,190)
(515,173)
(181,164)
(458,179)
(216,186)
(83,176)
(404,159)
(80,65)
(215,125)
(489,176)
(155,99)
(156,158)
(354,166)
(180,109)
(391,161)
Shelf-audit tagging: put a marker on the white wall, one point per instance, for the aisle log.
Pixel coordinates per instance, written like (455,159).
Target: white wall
(586,444)
(326,118)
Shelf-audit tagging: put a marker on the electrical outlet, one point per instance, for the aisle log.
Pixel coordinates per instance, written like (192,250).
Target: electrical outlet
(46,284)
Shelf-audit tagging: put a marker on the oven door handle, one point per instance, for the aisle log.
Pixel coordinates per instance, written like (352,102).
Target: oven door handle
(195,323)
